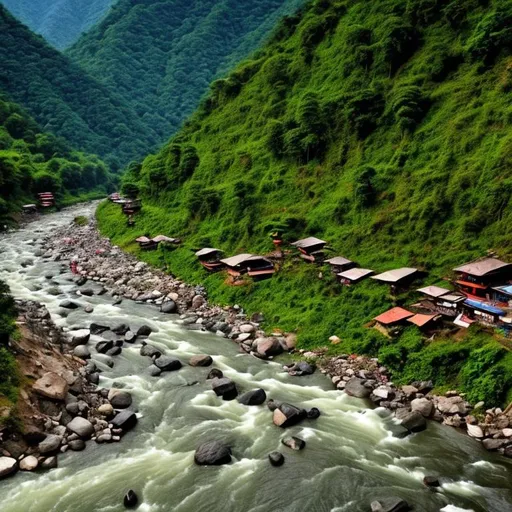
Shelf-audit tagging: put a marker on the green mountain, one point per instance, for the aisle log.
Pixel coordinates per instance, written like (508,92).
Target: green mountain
(60,22)
(160,55)
(33,161)
(67,101)
(384,127)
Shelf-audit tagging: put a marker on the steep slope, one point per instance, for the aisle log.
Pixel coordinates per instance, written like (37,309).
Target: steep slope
(60,22)
(383,127)
(160,55)
(65,100)
(33,161)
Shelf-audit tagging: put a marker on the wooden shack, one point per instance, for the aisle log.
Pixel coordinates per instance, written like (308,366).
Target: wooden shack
(339,264)
(441,300)
(257,267)
(399,278)
(311,249)
(132,206)
(476,278)
(425,322)
(354,275)
(146,244)
(209,257)
(482,312)
(46,199)
(29,208)
(387,322)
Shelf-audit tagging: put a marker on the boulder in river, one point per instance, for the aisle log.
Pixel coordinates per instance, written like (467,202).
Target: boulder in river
(88,292)
(267,347)
(301,368)
(98,328)
(144,330)
(77,445)
(8,465)
(295,443)
(169,307)
(50,444)
(423,406)
(49,463)
(121,329)
(149,351)
(82,352)
(130,337)
(29,463)
(431,481)
(215,373)
(154,371)
(81,427)
(287,415)
(413,421)
(125,419)
(355,387)
(390,505)
(313,413)
(52,386)
(114,351)
(276,459)
(212,453)
(167,363)
(225,388)
(130,499)
(254,397)
(119,399)
(104,346)
(201,360)
(68,304)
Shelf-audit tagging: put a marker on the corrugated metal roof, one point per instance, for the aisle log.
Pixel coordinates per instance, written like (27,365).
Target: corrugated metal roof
(355,273)
(393,276)
(394,315)
(233,261)
(504,289)
(453,297)
(482,267)
(207,250)
(163,238)
(338,261)
(143,239)
(308,242)
(484,307)
(434,291)
(421,320)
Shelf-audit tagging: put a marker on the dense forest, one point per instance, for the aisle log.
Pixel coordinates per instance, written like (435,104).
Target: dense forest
(383,127)
(33,161)
(60,22)
(66,101)
(160,56)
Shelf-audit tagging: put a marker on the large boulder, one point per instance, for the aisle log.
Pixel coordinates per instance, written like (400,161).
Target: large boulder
(81,427)
(414,421)
(82,352)
(49,463)
(452,405)
(8,465)
(121,329)
(130,337)
(68,304)
(77,445)
(390,505)
(104,346)
(52,386)
(130,499)
(201,360)
(255,397)
(212,453)
(144,330)
(119,399)
(215,373)
(169,307)
(50,444)
(276,459)
(167,363)
(423,405)
(149,351)
(267,347)
(301,368)
(287,415)
(125,420)
(295,443)
(80,337)
(355,387)
(225,388)
(29,463)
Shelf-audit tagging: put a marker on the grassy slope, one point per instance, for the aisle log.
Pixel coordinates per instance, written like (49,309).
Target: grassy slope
(420,92)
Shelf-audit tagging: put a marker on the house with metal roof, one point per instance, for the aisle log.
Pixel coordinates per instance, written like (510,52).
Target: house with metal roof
(441,300)
(354,275)
(387,322)
(257,267)
(311,248)
(482,312)
(339,264)
(425,322)
(209,257)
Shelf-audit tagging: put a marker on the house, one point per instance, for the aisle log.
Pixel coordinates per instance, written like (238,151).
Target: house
(209,257)
(390,320)
(146,244)
(29,208)
(425,322)
(311,248)
(354,275)
(475,279)
(502,296)
(132,206)
(115,196)
(46,199)
(441,300)
(339,264)
(398,278)
(257,267)
(482,312)
(159,239)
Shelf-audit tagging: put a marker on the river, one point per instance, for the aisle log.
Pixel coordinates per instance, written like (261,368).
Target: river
(351,457)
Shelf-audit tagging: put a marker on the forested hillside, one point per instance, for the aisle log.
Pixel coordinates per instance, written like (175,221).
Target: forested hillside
(384,127)
(60,22)
(33,161)
(160,55)
(65,100)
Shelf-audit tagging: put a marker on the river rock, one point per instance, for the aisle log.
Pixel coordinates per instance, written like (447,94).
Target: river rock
(104,346)
(423,405)
(68,304)
(355,387)
(267,347)
(144,330)
(130,337)
(93,378)
(154,371)
(431,481)
(77,445)
(88,292)
(313,413)
(212,453)
(287,415)
(201,360)
(301,368)
(413,421)
(49,463)
(225,388)
(247,328)
(82,352)
(149,351)
(475,431)
(276,459)
(81,427)
(390,505)
(121,329)
(52,386)
(169,307)
(167,363)
(130,499)
(295,443)
(114,351)
(29,463)
(106,410)
(215,373)
(50,444)
(451,405)
(125,419)
(8,465)
(494,444)
(119,399)
(95,328)
(255,397)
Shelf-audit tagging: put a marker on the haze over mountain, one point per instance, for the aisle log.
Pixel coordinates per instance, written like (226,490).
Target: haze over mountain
(160,56)
(60,22)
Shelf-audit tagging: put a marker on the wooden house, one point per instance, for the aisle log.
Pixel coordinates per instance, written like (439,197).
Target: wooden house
(354,275)
(311,249)
(146,244)
(425,322)
(398,278)
(46,199)
(476,278)
(441,300)
(482,312)
(339,264)
(209,257)
(257,267)
(132,206)
(387,322)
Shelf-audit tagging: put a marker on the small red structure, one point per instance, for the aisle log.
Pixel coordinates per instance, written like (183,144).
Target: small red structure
(386,322)
(46,199)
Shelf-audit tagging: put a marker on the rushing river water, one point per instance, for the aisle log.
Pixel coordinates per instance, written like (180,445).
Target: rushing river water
(350,459)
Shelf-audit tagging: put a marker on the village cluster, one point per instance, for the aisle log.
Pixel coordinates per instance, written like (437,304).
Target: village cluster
(482,288)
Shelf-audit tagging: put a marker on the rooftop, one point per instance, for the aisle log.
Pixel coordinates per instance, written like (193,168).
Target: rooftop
(163,238)
(421,320)
(482,267)
(433,291)
(505,289)
(338,261)
(355,273)
(308,242)
(394,315)
(484,307)
(207,250)
(393,276)
(143,240)
(234,261)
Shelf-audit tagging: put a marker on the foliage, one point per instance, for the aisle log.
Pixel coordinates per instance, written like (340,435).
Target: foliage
(9,377)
